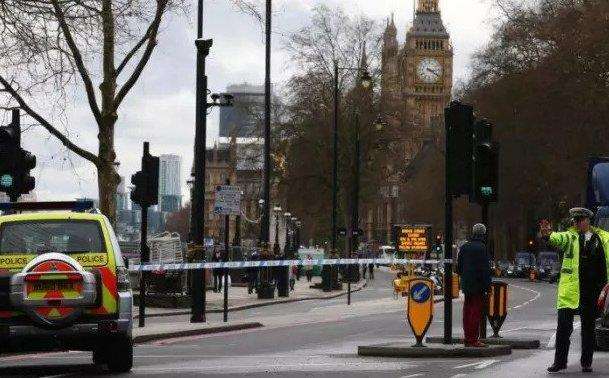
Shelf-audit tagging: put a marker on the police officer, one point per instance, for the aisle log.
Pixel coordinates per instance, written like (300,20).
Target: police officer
(584,271)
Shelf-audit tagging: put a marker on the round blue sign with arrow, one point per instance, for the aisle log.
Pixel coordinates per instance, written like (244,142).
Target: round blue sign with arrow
(420,292)
(6,181)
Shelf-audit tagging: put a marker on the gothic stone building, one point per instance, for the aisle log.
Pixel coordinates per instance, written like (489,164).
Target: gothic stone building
(416,86)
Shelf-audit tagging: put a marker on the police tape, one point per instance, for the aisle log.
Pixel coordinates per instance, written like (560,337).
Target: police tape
(275,263)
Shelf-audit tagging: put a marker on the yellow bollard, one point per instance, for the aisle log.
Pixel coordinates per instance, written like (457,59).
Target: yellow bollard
(456,285)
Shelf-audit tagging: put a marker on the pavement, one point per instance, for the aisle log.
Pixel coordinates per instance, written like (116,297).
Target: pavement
(239,299)
(320,337)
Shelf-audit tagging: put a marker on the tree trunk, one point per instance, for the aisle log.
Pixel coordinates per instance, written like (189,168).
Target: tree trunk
(107,183)
(107,177)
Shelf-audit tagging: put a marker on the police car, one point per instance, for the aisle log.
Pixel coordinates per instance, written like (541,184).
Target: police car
(63,283)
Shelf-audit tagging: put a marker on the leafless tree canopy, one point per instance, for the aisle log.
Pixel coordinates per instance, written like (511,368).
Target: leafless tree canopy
(96,47)
(544,80)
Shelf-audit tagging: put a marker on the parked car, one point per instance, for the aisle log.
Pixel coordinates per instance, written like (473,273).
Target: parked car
(501,268)
(525,261)
(511,270)
(548,266)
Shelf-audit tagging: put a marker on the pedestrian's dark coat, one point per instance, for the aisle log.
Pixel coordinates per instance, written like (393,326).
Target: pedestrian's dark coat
(473,266)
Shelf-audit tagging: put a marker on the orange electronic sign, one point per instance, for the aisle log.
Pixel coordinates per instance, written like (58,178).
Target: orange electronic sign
(420,307)
(412,239)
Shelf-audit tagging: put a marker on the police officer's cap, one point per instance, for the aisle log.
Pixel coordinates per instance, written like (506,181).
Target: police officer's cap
(580,212)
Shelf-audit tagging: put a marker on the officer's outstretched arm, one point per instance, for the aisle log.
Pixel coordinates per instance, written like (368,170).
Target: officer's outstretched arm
(559,239)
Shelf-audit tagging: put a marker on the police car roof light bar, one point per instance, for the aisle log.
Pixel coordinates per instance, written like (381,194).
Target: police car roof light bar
(77,206)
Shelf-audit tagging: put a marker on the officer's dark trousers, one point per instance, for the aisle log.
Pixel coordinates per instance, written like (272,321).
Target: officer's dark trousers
(565,328)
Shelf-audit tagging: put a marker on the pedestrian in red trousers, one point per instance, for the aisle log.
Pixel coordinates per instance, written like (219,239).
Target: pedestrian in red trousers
(473,265)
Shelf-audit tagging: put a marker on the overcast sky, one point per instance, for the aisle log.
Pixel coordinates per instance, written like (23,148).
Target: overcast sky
(160,109)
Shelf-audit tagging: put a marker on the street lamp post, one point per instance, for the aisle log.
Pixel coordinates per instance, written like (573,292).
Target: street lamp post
(330,278)
(197,224)
(265,288)
(276,249)
(366,82)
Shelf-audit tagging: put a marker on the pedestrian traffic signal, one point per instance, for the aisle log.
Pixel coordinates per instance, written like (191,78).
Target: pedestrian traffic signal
(459,119)
(15,162)
(485,164)
(146,182)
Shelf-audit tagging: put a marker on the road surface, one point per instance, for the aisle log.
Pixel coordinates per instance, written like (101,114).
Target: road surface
(320,338)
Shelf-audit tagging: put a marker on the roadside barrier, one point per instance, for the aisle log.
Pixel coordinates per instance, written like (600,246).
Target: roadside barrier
(420,307)
(274,263)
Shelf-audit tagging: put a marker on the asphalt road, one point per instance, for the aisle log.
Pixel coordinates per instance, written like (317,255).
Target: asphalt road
(320,338)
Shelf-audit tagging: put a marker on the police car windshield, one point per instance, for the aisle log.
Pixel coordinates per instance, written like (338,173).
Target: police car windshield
(38,237)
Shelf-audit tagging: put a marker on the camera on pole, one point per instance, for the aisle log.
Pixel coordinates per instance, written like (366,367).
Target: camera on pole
(15,162)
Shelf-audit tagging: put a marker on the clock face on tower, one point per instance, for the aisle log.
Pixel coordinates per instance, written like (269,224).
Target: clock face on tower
(429,70)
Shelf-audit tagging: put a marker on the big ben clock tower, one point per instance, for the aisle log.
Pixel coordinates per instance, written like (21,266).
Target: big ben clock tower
(427,63)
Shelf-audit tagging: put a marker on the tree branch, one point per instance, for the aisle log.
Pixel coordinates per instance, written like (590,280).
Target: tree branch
(154,31)
(78,60)
(134,51)
(47,125)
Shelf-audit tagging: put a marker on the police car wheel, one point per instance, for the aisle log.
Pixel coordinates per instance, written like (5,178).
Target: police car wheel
(121,358)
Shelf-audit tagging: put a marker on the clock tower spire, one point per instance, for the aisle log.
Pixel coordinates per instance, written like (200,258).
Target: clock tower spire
(428,6)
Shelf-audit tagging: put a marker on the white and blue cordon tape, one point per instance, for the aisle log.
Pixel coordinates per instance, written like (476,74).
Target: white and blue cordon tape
(272,263)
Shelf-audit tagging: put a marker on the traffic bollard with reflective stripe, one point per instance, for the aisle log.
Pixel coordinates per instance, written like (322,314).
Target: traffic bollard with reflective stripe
(497,306)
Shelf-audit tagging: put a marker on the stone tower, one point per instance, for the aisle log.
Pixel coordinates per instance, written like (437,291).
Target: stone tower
(428,63)
(390,83)
(417,78)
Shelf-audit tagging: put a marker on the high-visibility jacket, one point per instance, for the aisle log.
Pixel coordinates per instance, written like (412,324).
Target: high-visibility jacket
(568,285)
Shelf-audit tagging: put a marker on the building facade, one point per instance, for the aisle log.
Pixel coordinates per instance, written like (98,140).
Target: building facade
(170,183)
(244,118)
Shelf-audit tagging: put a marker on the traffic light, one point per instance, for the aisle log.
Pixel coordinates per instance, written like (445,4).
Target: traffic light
(486,164)
(459,120)
(15,162)
(146,182)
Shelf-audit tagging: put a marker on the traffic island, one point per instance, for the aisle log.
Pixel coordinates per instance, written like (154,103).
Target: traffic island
(406,350)
(514,343)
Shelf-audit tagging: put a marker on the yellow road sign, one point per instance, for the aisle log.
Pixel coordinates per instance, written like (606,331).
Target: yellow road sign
(420,307)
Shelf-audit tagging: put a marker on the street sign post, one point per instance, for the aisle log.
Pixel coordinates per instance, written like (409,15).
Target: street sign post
(420,307)
(228,200)
(497,306)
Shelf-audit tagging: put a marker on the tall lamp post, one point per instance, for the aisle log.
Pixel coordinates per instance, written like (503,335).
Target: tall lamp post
(276,248)
(331,275)
(366,83)
(197,224)
(265,289)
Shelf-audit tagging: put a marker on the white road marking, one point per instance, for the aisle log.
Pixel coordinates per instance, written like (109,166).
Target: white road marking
(478,365)
(459,375)
(305,366)
(537,295)
(514,329)
(413,375)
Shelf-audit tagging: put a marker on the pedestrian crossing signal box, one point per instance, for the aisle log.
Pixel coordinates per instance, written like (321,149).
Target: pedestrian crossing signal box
(420,307)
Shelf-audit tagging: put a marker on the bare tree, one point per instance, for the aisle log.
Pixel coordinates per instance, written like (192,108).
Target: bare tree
(99,47)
